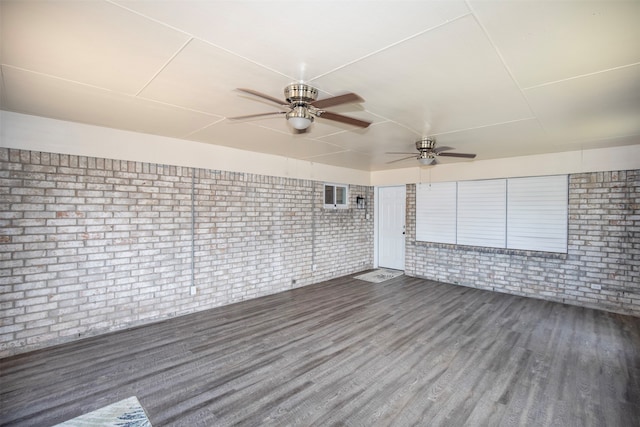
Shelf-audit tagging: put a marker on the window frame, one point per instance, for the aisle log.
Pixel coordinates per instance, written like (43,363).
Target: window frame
(335,188)
(543,233)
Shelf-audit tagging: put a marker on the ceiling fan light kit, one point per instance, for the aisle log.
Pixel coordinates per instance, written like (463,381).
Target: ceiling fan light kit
(424,159)
(299,117)
(301,100)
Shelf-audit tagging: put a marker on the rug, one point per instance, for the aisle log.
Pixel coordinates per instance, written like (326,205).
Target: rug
(379,275)
(125,413)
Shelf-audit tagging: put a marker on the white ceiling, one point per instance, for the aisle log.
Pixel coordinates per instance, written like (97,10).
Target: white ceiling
(496,78)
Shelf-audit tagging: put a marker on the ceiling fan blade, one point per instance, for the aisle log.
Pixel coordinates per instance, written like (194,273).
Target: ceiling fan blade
(463,155)
(343,119)
(400,152)
(399,160)
(337,100)
(441,149)
(250,116)
(262,95)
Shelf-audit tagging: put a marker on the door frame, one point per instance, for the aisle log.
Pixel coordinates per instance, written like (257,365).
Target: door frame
(376,207)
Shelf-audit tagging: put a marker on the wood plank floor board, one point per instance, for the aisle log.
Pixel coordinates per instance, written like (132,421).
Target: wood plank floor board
(347,352)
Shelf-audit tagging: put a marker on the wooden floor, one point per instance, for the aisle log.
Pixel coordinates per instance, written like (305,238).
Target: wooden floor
(347,352)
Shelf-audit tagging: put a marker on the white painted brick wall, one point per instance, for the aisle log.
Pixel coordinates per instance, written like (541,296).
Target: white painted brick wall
(91,245)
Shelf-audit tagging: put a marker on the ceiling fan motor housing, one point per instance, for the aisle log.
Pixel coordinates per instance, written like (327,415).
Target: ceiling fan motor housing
(300,93)
(425,144)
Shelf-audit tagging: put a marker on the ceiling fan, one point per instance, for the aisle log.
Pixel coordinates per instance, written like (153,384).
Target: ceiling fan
(302,106)
(427,152)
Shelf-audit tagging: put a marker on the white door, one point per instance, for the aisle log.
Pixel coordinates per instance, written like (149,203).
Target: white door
(391,227)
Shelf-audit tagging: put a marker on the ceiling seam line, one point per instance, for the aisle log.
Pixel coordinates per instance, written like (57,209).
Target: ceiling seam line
(582,75)
(487,126)
(165,65)
(402,125)
(192,36)
(179,107)
(103,89)
(142,15)
(319,156)
(188,134)
(245,58)
(250,124)
(506,67)
(375,52)
(51,76)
